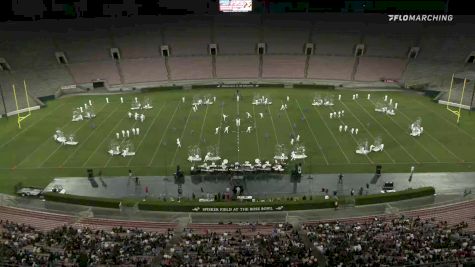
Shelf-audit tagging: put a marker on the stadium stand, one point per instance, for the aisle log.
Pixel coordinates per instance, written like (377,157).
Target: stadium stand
(84,45)
(376,69)
(30,50)
(143,70)
(87,72)
(394,242)
(188,37)
(283,66)
(43,82)
(437,235)
(6,80)
(435,73)
(236,34)
(283,247)
(204,228)
(447,43)
(27,49)
(285,35)
(330,67)
(237,66)
(22,245)
(389,40)
(139,41)
(336,39)
(109,225)
(40,220)
(190,68)
(456,94)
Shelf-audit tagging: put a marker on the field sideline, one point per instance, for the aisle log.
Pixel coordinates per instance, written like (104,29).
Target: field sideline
(30,155)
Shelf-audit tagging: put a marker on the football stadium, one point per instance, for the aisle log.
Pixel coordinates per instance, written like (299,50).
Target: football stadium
(240,137)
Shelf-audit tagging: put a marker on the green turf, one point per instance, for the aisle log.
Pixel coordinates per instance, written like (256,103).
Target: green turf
(31,156)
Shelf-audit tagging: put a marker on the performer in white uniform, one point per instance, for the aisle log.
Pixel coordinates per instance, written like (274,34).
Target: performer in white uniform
(178,143)
(224,117)
(248,130)
(226,129)
(248,115)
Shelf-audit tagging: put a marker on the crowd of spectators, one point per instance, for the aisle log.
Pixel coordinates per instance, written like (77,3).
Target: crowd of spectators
(392,242)
(22,245)
(377,242)
(282,247)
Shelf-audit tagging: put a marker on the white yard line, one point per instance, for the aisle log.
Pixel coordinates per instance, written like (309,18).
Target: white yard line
(273,126)
(433,138)
(417,141)
(257,135)
(389,133)
(203,124)
(290,123)
(36,122)
(334,138)
(146,132)
(87,138)
(238,130)
(220,125)
(181,136)
(59,146)
(163,135)
(314,136)
(367,130)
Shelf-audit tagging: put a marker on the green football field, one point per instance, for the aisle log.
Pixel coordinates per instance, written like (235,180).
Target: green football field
(31,156)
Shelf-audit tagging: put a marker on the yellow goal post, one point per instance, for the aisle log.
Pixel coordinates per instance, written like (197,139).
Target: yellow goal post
(456,104)
(20,118)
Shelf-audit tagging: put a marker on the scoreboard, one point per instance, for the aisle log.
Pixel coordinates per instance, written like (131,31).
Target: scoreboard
(235,5)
